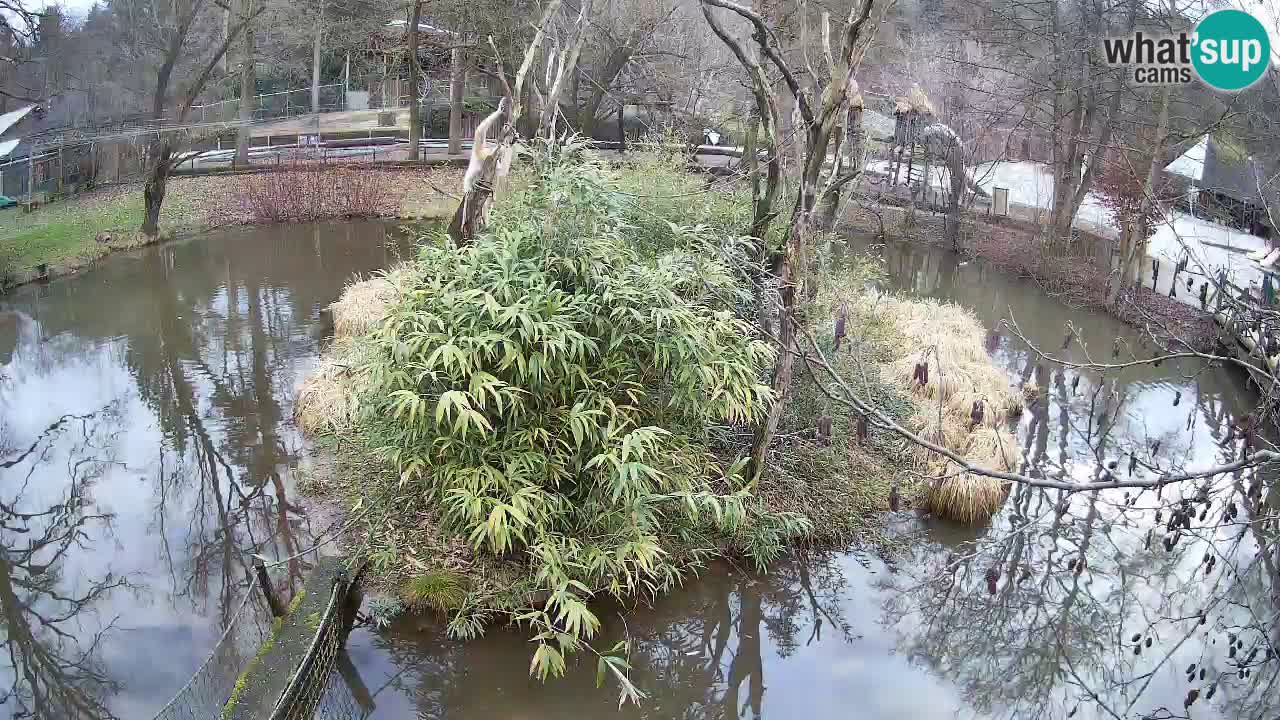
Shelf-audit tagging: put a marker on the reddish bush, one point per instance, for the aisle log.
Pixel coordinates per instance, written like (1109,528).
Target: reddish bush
(1120,190)
(317,192)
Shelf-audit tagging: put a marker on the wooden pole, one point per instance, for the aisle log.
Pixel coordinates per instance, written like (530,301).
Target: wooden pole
(268,591)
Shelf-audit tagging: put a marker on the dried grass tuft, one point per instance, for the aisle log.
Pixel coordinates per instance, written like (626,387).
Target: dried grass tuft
(961,374)
(363,304)
(966,498)
(329,399)
(952,341)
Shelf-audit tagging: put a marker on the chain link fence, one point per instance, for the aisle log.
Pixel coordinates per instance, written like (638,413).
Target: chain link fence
(272,106)
(307,687)
(205,694)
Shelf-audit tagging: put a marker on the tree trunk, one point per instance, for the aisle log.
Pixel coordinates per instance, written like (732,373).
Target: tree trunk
(622,127)
(1150,184)
(315,64)
(853,151)
(415,122)
(1119,279)
(248,89)
(457,85)
(586,116)
(783,369)
(153,189)
(955,168)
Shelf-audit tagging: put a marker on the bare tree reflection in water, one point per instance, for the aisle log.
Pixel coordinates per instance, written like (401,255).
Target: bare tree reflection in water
(1108,603)
(700,654)
(50,662)
(1148,602)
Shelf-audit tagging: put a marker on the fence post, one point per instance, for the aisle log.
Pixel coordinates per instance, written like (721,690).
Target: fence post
(269,592)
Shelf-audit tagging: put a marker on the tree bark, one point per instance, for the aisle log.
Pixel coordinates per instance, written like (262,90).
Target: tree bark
(622,127)
(457,85)
(852,162)
(955,168)
(315,64)
(415,121)
(153,190)
(248,90)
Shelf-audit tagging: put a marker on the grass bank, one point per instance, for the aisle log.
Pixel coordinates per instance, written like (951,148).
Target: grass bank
(560,411)
(71,234)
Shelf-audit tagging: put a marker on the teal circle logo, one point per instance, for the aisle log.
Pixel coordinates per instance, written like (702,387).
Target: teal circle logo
(1231,50)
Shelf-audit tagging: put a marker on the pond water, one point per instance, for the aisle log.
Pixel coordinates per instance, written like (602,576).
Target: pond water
(172,372)
(147,447)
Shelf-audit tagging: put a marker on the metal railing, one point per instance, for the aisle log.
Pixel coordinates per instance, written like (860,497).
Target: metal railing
(273,106)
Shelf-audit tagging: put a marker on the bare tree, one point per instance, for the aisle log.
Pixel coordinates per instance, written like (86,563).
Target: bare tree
(174,32)
(820,109)
(248,85)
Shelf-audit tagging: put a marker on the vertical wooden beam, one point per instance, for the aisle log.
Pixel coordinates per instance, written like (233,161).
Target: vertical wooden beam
(268,590)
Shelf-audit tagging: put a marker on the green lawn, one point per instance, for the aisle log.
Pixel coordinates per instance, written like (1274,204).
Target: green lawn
(65,232)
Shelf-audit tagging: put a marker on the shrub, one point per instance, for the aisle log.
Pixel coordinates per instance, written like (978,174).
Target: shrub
(550,390)
(8,266)
(308,192)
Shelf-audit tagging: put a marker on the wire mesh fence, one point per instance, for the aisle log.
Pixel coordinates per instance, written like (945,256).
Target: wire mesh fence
(308,691)
(205,694)
(272,106)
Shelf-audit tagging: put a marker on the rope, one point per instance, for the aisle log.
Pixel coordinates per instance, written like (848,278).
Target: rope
(319,544)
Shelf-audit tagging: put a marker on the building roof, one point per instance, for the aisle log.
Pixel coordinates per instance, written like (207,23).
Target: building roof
(1190,164)
(7,146)
(12,118)
(1224,167)
(878,126)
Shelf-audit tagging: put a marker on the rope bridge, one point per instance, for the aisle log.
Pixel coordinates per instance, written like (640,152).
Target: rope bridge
(292,667)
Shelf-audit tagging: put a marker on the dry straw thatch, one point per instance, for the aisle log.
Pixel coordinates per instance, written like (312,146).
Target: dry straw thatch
(914,101)
(961,374)
(364,303)
(329,399)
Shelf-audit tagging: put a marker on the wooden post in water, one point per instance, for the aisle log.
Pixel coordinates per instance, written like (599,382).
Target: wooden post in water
(264,582)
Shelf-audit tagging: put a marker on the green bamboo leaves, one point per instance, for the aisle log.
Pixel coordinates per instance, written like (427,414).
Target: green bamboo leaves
(550,388)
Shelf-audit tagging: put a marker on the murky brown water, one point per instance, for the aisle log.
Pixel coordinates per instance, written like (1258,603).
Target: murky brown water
(185,358)
(146,449)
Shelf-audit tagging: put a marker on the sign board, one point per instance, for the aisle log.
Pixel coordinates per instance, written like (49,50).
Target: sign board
(1000,201)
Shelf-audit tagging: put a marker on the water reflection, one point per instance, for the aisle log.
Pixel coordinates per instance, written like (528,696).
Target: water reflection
(1091,604)
(51,622)
(803,641)
(146,449)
